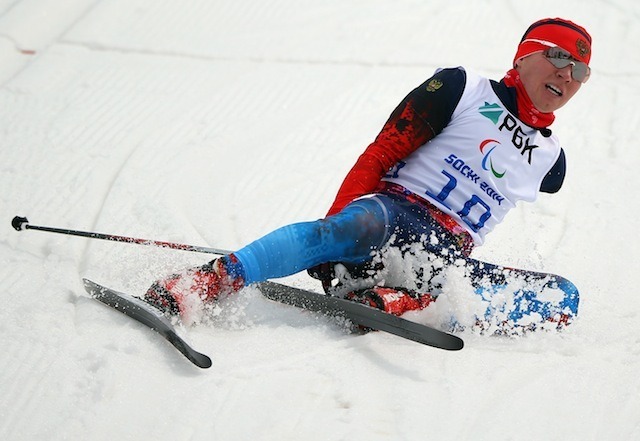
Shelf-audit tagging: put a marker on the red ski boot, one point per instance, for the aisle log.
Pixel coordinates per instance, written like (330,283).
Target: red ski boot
(207,282)
(395,301)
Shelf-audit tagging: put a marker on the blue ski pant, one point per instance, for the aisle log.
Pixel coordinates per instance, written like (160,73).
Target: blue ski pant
(366,225)
(350,236)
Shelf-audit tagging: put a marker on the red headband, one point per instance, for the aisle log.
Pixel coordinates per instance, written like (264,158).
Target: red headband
(551,32)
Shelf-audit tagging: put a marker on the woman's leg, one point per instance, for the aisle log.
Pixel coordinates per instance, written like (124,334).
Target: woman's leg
(349,236)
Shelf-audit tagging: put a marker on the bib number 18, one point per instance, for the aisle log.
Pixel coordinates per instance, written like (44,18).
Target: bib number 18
(475,200)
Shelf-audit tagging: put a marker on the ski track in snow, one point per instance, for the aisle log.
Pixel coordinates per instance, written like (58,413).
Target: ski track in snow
(211,123)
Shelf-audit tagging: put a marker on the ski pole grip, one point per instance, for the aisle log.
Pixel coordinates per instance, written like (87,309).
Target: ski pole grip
(19,223)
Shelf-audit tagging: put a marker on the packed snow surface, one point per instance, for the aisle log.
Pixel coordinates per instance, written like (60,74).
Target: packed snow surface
(213,122)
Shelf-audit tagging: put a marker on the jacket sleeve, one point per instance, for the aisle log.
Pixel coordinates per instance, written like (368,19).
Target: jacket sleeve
(422,115)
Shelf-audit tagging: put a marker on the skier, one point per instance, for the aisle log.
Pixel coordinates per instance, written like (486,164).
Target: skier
(454,157)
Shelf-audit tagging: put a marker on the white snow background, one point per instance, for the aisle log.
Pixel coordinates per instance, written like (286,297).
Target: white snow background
(212,123)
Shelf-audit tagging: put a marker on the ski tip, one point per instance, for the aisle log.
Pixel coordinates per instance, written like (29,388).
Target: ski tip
(457,344)
(203,361)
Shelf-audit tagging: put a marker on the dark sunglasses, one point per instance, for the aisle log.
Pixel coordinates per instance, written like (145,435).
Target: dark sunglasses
(561,59)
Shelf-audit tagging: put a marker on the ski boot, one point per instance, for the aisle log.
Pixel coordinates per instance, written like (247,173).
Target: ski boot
(207,282)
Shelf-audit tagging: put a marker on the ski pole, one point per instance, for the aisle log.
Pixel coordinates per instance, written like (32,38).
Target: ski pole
(22,223)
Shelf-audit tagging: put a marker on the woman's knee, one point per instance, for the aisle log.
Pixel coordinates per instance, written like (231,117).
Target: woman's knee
(359,228)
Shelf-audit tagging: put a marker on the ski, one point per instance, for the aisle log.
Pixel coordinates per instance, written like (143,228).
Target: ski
(357,313)
(360,314)
(147,315)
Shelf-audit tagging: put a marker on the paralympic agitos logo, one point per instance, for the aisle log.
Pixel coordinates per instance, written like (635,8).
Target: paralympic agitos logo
(486,148)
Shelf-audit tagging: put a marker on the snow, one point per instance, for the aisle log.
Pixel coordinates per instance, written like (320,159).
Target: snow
(212,123)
